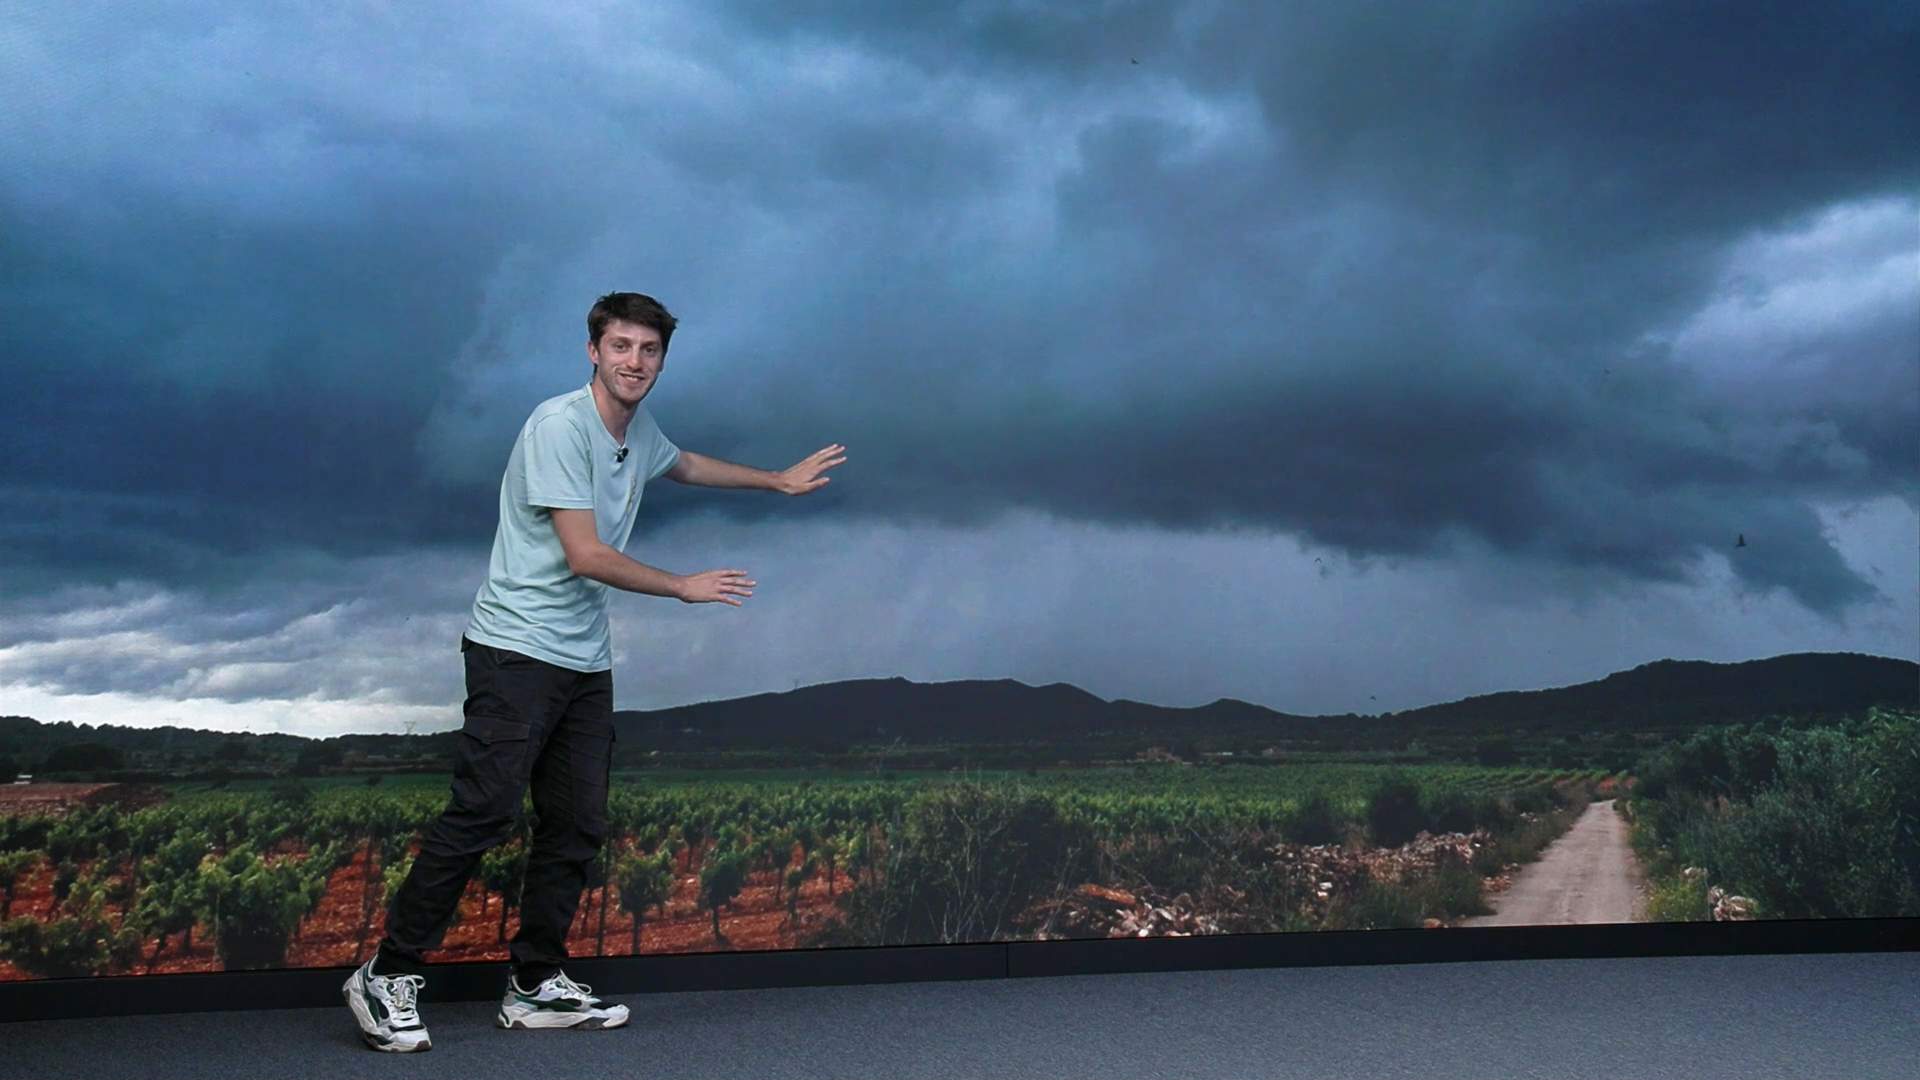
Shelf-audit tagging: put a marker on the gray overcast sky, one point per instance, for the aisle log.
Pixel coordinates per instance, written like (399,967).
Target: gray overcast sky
(1329,356)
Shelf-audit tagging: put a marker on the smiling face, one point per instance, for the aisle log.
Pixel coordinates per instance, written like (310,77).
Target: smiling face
(627,360)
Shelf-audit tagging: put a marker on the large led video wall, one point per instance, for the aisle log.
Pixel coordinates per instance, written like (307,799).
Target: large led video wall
(1306,467)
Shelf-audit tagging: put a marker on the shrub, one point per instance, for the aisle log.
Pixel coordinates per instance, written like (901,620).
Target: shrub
(255,905)
(723,873)
(1451,889)
(1810,822)
(1826,838)
(644,881)
(1394,813)
(1376,906)
(1454,888)
(1679,900)
(1533,800)
(962,861)
(291,795)
(1520,844)
(1451,810)
(1489,860)
(1574,796)
(1315,821)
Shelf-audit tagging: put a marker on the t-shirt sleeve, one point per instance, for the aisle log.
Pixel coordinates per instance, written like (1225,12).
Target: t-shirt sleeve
(661,453)
(555,460)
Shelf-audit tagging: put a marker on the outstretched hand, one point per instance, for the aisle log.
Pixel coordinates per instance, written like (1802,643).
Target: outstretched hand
(716,585)
(806,475)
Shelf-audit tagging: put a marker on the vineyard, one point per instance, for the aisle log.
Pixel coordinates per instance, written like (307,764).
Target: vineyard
(298,875)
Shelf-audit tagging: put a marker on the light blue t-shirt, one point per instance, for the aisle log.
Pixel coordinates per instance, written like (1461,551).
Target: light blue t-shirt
(564,458)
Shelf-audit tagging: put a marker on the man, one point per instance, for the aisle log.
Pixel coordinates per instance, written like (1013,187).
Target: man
(539,707)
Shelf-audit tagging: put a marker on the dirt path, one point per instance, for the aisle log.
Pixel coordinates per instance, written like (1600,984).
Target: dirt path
(1587,876)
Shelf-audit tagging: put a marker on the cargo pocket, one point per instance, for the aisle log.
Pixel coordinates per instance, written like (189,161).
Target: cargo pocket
(495,729)
(490,769)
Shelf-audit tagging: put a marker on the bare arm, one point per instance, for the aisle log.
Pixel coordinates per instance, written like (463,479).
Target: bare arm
(798,479)
(588,557)
(706,471)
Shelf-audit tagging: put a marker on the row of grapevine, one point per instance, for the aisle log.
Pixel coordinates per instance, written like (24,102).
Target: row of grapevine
(125,886)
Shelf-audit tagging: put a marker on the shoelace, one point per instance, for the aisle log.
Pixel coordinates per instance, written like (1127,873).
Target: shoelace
(565,984)
(404,991)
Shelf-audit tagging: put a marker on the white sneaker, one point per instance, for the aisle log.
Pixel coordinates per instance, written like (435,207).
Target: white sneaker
(386,1008)
(559,1002)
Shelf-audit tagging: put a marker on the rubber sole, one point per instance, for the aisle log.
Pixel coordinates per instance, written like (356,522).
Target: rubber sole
(590,1023)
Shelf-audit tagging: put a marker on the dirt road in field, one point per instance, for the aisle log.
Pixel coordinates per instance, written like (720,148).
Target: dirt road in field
(1587,876)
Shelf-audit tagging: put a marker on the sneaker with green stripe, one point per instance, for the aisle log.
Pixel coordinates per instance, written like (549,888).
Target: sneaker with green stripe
(558,1002)
(387,1009)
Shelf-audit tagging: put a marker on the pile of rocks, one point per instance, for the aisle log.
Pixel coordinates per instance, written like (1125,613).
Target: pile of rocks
(1727,907)
(1418,857)
(1093,911)
(1103,911)
(1321,874)
(1326,872)
(1174,917)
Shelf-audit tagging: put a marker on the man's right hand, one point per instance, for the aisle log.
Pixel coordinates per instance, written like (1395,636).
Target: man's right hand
(588,557)
(721,585)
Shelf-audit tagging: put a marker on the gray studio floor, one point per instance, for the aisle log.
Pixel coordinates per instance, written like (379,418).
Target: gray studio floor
(1847,1016)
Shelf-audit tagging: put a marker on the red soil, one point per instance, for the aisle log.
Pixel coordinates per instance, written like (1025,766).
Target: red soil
(40,798)
(333,935)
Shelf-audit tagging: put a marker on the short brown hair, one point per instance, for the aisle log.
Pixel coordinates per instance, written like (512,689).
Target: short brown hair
(637,308)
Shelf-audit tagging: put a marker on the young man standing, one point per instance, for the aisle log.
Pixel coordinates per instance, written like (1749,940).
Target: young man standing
(539,707)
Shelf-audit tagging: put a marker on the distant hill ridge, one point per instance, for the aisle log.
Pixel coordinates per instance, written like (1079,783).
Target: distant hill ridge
(1688,690)
(1662,694)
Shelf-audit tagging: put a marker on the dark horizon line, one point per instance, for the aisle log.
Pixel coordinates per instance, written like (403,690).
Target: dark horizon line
(1258,705)
(1042,686)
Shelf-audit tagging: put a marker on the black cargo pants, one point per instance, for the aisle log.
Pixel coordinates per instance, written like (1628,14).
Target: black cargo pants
(528,723)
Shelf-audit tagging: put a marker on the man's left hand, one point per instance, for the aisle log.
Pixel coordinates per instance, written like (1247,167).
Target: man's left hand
(806,475)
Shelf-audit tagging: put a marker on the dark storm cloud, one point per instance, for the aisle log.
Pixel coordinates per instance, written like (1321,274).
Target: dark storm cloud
(205,396)
(1425,297)
(1382,276)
